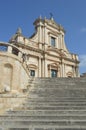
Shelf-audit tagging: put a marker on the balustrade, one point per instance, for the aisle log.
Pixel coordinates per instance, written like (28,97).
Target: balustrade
(4,47)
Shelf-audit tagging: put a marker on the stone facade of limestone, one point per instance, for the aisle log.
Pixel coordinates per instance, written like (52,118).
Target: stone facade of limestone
(46,52)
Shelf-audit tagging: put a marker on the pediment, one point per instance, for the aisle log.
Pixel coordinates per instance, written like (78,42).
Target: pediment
(54,64)
(32,66)
(54,52)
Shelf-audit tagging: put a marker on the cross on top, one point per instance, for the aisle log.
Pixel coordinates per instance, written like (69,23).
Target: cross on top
(51,16)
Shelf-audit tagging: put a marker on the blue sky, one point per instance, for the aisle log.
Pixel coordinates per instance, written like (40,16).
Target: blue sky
(71,14)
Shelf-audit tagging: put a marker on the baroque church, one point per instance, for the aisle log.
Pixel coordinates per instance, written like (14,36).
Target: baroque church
(44,54)
(45,51)
(30,98)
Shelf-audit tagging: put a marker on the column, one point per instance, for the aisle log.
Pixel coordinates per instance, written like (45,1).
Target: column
(58,72)
(42,70)
(39,66)
(62,69)
(73,70)
(45,69)
(63,66)
(77,72)
(49,69)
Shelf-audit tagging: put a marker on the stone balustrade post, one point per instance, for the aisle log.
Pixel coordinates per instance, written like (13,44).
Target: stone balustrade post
(10,49)
(20,54)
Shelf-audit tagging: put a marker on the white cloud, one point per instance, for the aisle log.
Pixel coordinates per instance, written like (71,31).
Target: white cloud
(82,60)
(83,29)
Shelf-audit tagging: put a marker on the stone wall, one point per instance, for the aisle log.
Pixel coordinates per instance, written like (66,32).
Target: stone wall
(14,76)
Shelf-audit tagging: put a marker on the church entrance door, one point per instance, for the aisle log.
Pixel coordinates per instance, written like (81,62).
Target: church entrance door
(53,73)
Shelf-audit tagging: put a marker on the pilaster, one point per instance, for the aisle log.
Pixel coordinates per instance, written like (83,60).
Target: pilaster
(40,36)
(45,37)
(63,69)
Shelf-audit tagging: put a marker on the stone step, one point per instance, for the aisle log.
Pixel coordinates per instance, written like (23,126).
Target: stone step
(54,86)
(58,95)
(57,85)
(56,99)
(33,107)
(57,78)
(54,104)
(26,124)
(26,112)
(56,91)
(52,89)
(68,127)
(48,128)
(81,80)
(43,118)
(51,104)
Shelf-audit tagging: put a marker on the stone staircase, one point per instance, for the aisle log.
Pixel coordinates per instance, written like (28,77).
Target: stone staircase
(51,104)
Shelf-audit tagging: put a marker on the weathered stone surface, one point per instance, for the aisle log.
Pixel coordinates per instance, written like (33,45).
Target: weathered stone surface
(49,110)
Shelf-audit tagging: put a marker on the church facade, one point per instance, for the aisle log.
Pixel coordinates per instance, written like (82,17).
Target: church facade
(45,52)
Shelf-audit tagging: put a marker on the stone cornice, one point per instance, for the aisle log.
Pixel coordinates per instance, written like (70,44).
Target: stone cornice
(43,52)
(71,60)
(29,47)
(62,56)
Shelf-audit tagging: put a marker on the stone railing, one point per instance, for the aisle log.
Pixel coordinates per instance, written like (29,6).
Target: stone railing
(12,49)
(9,48)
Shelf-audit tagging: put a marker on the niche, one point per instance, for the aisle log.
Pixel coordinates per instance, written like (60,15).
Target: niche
(8,73)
